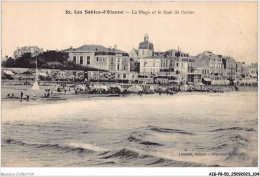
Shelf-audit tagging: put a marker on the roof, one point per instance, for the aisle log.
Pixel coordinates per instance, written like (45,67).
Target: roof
(207,79)
(175,51)
(68,49)
(28,47)
(145,44)
(96,48)
(157,57)
(136,51)
(8,72)
(43,74)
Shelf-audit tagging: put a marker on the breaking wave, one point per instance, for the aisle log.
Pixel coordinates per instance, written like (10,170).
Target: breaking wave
(233,128)
(169,130)
(126,155)
(134,139)
(70,148)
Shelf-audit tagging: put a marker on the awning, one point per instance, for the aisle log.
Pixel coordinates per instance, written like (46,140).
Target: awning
(8,72)
(43,74)
(200,84)
(207,79)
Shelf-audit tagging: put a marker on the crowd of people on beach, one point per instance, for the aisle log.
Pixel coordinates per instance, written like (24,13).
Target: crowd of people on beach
(115,89)
(12,96)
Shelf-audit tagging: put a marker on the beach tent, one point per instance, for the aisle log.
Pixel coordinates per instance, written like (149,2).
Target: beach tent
(135,89)
(184,87)
(42,74)
(8,72)
(99,87)
(152,88)
(116,86)
(162,89)
(220,82)
(199,86)
(57,87)
(206,81)
(81,87)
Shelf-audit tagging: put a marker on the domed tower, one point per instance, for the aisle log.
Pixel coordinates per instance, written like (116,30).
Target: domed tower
(146,38)
(145,48)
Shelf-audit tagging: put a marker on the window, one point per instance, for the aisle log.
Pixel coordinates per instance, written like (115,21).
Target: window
(112,60)
(88,60)
(118,76)
(97,58)
(81,60)
(177,65)
(117,67)
(75,59)
(118,60)
(124,76)
(124,67)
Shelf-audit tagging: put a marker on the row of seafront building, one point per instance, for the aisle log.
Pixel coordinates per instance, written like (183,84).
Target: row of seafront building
(144,65)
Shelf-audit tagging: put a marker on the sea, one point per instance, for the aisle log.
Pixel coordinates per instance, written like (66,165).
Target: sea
(180,130)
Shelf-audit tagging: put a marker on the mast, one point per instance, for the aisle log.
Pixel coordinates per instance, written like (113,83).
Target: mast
(36,76)
(36,85)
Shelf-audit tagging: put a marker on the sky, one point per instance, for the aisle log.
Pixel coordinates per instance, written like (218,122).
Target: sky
(227,28)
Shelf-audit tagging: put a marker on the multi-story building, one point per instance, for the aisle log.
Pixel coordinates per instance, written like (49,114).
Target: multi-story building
(238,70)
(176,53)
(102,58)
(211,65)
(184,70)
(215,65)
(34,50)
(229,67)
(245,70)
(150,65)
(253,70)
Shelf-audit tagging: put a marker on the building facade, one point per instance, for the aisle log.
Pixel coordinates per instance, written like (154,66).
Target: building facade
(102,58)
(149,66)
(34,50)
(253,70)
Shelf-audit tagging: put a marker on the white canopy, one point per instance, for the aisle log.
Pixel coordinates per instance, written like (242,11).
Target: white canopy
(8,72)
(135,89)
(43,74)
(207,79)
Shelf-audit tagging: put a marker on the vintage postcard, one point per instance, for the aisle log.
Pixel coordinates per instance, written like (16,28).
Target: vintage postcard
(129,84)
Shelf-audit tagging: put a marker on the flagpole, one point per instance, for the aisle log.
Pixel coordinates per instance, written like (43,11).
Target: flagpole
(36,69)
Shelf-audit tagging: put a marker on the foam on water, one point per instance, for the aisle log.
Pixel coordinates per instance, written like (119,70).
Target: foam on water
(133,131)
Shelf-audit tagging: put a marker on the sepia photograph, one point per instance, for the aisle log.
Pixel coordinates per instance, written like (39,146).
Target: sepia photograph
(129,84)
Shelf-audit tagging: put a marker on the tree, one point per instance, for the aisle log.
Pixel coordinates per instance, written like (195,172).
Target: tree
(52,56)
(9,63)
(25,61)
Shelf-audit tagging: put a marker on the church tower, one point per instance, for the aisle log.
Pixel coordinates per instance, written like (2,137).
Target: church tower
(146,38)
(145,48)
